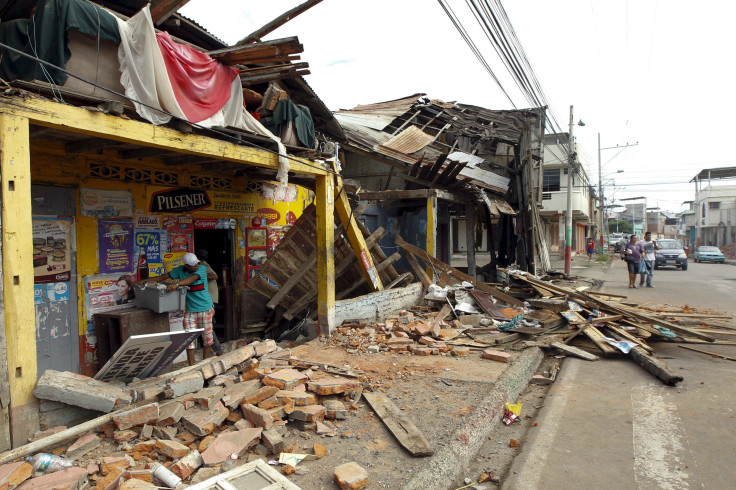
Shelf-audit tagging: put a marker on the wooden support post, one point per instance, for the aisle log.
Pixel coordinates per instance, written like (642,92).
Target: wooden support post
(431,232)
(470,237)
(17,243)
(355,236)
(324,200)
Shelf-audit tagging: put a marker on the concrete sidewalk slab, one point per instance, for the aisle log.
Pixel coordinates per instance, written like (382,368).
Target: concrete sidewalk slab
(448,463)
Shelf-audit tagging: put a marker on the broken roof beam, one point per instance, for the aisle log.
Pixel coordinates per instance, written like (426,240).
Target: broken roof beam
(255,80)
(277,22)
(242,54)
(163,9)
(411,194)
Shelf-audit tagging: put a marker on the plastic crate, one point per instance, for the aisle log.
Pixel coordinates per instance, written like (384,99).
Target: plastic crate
(159,300)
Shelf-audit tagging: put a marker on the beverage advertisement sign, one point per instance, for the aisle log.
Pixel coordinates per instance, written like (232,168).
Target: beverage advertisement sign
(103,203)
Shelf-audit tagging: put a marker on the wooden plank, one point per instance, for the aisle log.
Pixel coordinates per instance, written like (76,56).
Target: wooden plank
(629,337)
(654,366)
(307,265)
(394,194)
(355,236)
(574,351)
(617,308)
(379,268)
(487,305)
(309,296)
(421,273)
(278,22)
(556,305)
(597,337)
(163,9)
(405,277)
(713,354)
(400,426)
(421,254)
(443,313)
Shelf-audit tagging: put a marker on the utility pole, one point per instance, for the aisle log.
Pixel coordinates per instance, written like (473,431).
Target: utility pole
(600,193)
(568,216)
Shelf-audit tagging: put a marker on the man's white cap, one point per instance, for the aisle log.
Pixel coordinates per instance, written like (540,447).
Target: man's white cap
(190,259)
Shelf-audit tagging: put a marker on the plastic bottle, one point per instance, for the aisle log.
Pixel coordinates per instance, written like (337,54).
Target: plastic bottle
(142,266)
(48,462)
(230,463)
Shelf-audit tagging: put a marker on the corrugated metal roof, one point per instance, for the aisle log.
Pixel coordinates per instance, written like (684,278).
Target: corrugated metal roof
(410,140)
(379,115)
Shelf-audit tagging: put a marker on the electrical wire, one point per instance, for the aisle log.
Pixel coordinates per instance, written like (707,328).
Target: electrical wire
(158,109)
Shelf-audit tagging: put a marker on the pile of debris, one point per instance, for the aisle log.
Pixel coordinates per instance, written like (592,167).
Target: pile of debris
(192,420)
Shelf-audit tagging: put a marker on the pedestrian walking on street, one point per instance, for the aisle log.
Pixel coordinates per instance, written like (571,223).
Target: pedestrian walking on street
(647,268)
(590,246)
(632,254)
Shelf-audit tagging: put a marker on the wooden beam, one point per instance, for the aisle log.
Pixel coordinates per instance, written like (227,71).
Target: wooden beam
(393,195)
(431,248)
(324,200)
(17,271)
(712,354)
(88,145)
(495,292)
(407,276)
(574,351)
(399,425)
(95,124)
(421,273)
(278,22)
(470,237)
(355,236)
(256,79)
(163,9)
(141,153)
(379,268)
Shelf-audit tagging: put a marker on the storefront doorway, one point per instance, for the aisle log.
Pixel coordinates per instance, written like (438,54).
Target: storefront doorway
(219,246)
(55,278)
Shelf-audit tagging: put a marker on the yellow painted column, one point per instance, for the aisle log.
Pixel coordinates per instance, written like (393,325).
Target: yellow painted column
(431,232)
(325,202)
(17,256)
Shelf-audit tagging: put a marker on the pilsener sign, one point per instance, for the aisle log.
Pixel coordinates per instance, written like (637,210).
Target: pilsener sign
(179,200)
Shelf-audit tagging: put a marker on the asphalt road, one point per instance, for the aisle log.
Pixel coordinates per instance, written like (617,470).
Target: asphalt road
(610,424)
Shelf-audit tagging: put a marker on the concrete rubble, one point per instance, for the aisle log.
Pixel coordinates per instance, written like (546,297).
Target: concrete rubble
(246,401)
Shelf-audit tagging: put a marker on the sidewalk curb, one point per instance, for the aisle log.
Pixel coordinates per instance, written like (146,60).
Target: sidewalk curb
(526,468)
(449,462)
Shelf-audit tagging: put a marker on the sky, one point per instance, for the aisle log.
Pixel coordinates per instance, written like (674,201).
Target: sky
(656,73)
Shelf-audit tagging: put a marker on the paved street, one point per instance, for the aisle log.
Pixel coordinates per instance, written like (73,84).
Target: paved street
(609,424)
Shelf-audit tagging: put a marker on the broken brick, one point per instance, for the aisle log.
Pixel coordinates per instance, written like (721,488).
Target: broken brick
(82,446)
(285,379)
(170,413)
(299,398)
(269,403)
(202,422)
(68,479)
(351,476)
(137,416)
(172,449)
(496,355)
(235,393)
(319,450)
(460,351)
(81,391)
(309,413)
(228,443)
(258,416)
(13,474)
(208,397)
(335,409)
(122,436)
(187,465)
(260,395)
(330,386)
(273,441)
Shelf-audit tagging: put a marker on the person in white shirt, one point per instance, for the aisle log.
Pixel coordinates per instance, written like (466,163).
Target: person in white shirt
(647,270)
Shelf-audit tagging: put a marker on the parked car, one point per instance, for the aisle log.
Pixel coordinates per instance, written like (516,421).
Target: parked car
(671,253)
(614,238)
(709,254)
